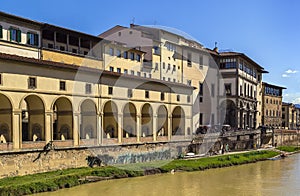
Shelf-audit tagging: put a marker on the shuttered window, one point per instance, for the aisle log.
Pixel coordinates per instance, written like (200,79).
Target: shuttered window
(1,32)
(15,35)
(32,39)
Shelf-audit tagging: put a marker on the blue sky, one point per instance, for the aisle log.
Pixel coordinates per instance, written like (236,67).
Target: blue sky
(268,31)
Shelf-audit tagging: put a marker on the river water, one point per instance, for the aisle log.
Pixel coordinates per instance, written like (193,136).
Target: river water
(281,177)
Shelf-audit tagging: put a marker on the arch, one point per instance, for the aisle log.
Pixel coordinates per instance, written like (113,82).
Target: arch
(88,125)
(129,120)
(6,125)
(33,118)
(178,121)
(147,120)
(162,121)
(63,119)
(228,113)
(110,120)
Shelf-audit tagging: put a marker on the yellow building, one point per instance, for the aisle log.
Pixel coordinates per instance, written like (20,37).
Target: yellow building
(272,105)
(289,116)
(80,90)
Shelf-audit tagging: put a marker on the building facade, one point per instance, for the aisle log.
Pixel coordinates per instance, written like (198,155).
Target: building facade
(289,116)
(272,105)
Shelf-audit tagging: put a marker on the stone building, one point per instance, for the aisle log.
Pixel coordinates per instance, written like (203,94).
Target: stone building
(272,105)
(80,90)
(289,115)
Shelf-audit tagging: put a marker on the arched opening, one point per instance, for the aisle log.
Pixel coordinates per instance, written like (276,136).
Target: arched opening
(110,121)
(6,135)
(162,121)
(178,121)
(228,110)
(147,120)
(129,121)
(88,126)
(241,115)
(63,119)
(33,119)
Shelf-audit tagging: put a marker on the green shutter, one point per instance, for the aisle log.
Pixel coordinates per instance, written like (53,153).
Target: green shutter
(1,33)
(18,35)
(10,34)
(36,39)
(28,38)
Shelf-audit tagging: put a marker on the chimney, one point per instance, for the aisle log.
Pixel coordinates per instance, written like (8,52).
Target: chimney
(216,47)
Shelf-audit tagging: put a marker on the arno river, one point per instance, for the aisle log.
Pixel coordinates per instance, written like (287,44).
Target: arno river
(281,177)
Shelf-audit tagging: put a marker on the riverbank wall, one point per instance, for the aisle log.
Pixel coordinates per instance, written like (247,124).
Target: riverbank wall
(36,161)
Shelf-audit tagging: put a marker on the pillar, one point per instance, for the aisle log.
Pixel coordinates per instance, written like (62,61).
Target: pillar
(76,121)
(17,129)
(120,135)
(99,128)
(154,125)
(138,127)
(48,126)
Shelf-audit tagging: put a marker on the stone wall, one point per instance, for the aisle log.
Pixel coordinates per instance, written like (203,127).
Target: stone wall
(286,137)
(29,162)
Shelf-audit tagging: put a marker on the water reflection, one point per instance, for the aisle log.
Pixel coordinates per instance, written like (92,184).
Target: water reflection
(280,177)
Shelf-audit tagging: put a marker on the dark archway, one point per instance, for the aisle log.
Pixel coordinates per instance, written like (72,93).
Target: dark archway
(129,121)
(147,120)
(162,121)
(33,119)
(88,126)
(110,121)
(5,120)
(178,121)
(63,119)
(228,110)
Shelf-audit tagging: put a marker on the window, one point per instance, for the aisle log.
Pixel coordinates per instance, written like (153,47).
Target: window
(111,68)
(164,78)
(212,90)
(178,97)
(189,59)
(150,75)
(110,90)
(169,66)
(1,32)
(125,55)
(228,63)
(138,57)
(32,83)
(241,90)
(156,66)
(129,93)
(200,60)
(119,70)
(200,99)
(189,82)
(170,47)
(201,89)
(125,71)
(138,73)
(111,51)
(32,39)
(132,56)
(15,35)
(228,89)
(268,101)
(145,75)
(88,88)
(162,96)
(201,119)
(118,53)
(0,79)
(188,99)
(132,72)
(62,85)
(169,79)
(174,67)
(74,50)
(156,49)
(174,80)
(164,65)
(267,113)
(146,94)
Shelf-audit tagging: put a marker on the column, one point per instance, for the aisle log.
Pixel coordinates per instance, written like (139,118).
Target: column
(138,127)
(48,126)
(154,125)
(120,135)
(170,127)
(17,129)
(99,128)
(54,40)
(76,120)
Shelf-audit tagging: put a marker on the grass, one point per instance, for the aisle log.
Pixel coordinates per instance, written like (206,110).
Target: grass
(289,148)
(51,181)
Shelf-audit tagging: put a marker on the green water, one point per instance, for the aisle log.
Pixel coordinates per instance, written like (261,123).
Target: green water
(281,177)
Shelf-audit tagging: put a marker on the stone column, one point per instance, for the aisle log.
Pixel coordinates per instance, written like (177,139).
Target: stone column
(17,129)
(76,127)
(120,123)
(170,127)
(138,127)
(99,128)
(154,125)
(48,126)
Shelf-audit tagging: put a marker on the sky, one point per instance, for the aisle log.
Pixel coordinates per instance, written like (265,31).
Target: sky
(268,31)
